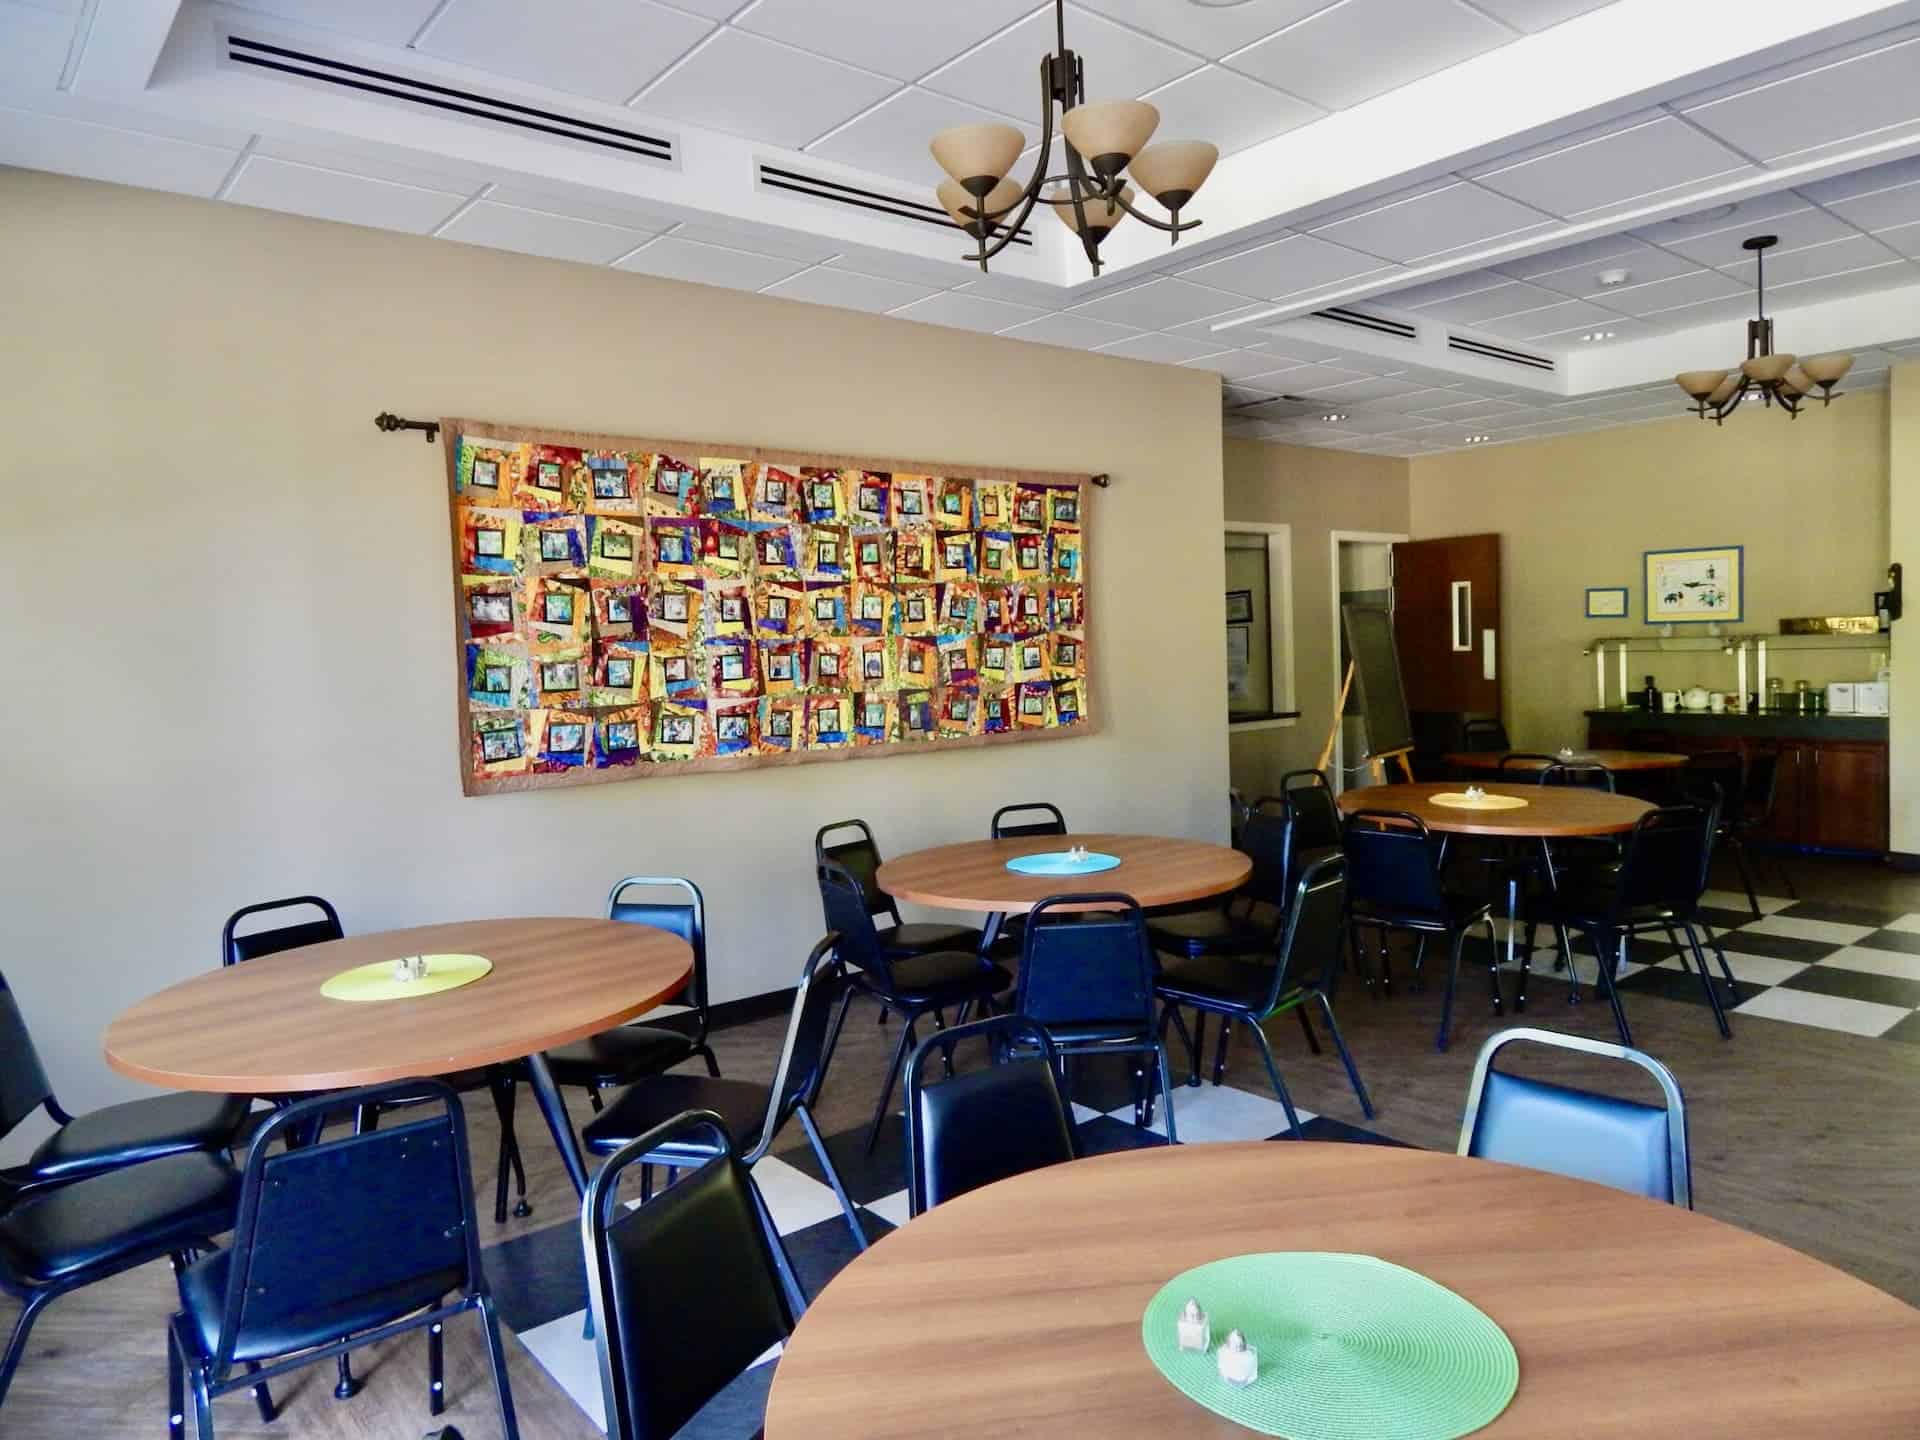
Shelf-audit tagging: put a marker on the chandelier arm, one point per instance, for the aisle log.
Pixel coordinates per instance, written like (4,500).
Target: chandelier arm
(1174,228)
(1032,193)
(1076,181)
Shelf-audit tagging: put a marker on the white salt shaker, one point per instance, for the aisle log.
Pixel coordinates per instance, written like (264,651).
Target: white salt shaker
(1196,1332)
(1078,854)
(1239,1362)
(1474,792)
(1566,752)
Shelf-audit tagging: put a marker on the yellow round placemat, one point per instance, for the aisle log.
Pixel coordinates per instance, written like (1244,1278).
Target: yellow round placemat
(1460,800)
(376,981)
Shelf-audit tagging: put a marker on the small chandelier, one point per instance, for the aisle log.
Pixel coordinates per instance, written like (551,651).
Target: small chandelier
(1101,140)
(1785,380)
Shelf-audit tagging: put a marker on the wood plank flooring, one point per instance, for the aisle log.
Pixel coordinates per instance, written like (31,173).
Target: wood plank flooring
(1799,1134)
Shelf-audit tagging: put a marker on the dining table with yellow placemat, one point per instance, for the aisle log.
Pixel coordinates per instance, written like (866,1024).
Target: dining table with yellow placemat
(427,1001)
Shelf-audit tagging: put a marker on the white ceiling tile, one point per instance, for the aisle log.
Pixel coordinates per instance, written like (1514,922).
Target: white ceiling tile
(760,239)
(875,34)
(556,197)
(1160,304)
(673,258)
(892,138)
(968,312)
(1665,294)
(766,91)
(606,49)
(539,232)
(335,195)
(1825,102)
(1797,229)
(1864,281)
(1227,108)
(1904,238)
(1290,342)
(1362,423)
(1733,219)
(1423,398)
(1286,266)
(135,118)
(1363,48)
(1643,159)
(385,22)
(1642,265)
(1297,379)
(1166,349)
(1234,397)
(34,49)
(1374,388)
(1074,331)
(1534,16)
(101,152)
(1213,30)
(1436,291)
(1506,299)
(1414,227)
(1245,336)
(995,285)
(847,289)
(1457,411)
(1788,267)
(1881,210)
(1737,306)
(1552,318)
(1894,175)
(913,269)
(1004,73)
(1233,364)
(1596,253)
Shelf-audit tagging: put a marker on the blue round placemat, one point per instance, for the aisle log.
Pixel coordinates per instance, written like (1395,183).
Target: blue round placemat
(1061,862)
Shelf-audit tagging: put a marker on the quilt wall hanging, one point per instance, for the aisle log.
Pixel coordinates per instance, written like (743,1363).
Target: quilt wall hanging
(628,608)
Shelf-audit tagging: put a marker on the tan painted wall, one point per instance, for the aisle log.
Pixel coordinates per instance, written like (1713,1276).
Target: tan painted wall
(1903,723)
(227,603)
(1808,498)
(1316,492)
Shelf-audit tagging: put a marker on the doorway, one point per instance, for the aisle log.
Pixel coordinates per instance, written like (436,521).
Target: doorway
(1362,573)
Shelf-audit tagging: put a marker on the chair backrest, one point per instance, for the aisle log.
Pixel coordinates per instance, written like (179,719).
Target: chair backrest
(685,917)
(1314,940)
(1237,812)
(1716,775)
(1590,774)
(1623,1143)
(237,948)
(1044,819)
(1267,840)
(1316,814)
(1763,774)
(1666,857)
(1088,966)
(1649,740)
(1524,766)
(845,904)
(1391,862)
(801,1068)
(859,853)
(1484,734)
(384,1217)
(24,1086)
(687,1290)
(980,1126)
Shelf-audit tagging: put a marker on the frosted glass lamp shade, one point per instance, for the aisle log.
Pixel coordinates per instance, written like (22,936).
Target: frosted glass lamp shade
(1723,392)
(1826,369)
(1765,369)
(956,201)
(1699,383)
(1102,215)
(1174,169)
(1109,133)
(978,155)
(1796,381)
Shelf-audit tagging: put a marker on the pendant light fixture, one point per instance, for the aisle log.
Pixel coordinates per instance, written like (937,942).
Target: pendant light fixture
(1104,142)
(1785,380)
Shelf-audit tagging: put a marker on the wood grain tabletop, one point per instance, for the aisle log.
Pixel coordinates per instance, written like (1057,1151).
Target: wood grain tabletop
(1550,811)
(1153,869)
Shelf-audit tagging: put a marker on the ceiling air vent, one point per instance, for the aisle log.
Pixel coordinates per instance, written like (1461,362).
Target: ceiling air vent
(363,80)
(859,197)
(1505,354)
(1360,320)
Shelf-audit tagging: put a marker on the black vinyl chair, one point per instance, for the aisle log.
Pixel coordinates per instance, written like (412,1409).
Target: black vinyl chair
(1631,1146)
(907,987)
(1756,810)
(236,948)
(754,1114)
(98,1141)
(1393,883)
(1034,817)
(973,1128)
(859,854)
(1302,968)
(687,1290)
(1656,886)
(1745,789)
(1315,828)
(340,1243)
(1251,921)
(1484,735)
(1087,978)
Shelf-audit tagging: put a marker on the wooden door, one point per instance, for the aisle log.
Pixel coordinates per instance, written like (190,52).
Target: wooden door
(1790,808)
(1846,797)
(1446,617)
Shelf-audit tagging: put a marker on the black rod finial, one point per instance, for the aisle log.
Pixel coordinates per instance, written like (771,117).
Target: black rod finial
(389,422)
(1103,480)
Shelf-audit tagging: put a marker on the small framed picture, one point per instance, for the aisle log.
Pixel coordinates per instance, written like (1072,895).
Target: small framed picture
(733,609)
(500,744)
(676,730)
(869,552)
(1066,509)
(917,609)
(496,679)
(1029,555)
(873,500)
(989,506)
(872,607)
(995,657)
(780,666)
(950,503)
(1239,607)
(546,475)
(726,545)
(610,483)
(1067,652)
(733,666)
(775,491)
(876,715)
(555,545)
(777,609)
(1029,511)
(829,663)
(824,608)
(954,554)
(673,605)
(666,482)
(623,735)
(487,473)
(560,675)
(916,661)
(1607,604)
(822,495)
(1030,606)
(676,670)
(826,718)
(1030,657)
(616,544)
(993,557)
(720,490)
(490,544)
(1066,607)
(780,724)
(619,609)
(620,672)
(557,607)
(960,707)
(568,739)
(731,727)
(910,502)
(1033,703)
(772,552)
(996,613)
(1066,701)
(492,609)
(673,549)
(1691,587)
(827,554)
(873,666)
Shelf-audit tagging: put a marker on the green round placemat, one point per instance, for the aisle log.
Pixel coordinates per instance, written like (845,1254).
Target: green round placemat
(1351,1348)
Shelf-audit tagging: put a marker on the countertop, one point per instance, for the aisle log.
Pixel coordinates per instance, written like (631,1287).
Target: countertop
(1773,724)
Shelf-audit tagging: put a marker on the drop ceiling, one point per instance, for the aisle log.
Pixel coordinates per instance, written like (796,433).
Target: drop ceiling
(1514,174)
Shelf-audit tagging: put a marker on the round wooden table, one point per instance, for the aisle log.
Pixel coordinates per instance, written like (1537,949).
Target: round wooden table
(1154,869)
(1015,1310)
(1612,759)
(264,1028)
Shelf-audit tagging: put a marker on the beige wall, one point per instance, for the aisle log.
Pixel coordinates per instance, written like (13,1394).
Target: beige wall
(228,606)
(1808,498)
(1316,492)
(1903,723)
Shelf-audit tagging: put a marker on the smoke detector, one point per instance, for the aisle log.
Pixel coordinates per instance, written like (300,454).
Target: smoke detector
(1613,279)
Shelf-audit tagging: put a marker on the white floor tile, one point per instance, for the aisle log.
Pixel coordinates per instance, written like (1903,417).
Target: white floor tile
(1586,967)
(1826,932)
(892,1208)
(796,1199)
(1214,1113)
(1754,969)
(1875,962)
(1829,1012)
(1083,1113)
(1737,900)
(568,1356)
(1908,924)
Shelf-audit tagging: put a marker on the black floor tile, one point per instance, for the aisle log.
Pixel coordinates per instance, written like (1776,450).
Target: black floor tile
(1682,985)
(537,1277)
(1778,947)
(1840,914)
(1722,920)
(824,1249)
(1856,985)
(1103,1135)
(1901,942)
(736,1413)
(1907,1031)
(1322,1127)
(867,1177)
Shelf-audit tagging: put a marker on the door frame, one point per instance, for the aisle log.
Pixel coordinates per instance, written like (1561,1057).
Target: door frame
(1334,540)
(1280,644)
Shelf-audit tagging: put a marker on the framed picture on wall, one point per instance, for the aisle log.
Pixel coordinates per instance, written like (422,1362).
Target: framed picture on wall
(1695,587)
(1607,603)
(1239,607)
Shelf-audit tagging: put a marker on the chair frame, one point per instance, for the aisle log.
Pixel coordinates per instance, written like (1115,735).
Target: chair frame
(227,936)
(210,1376)
(995,831)
(600,1208)
(1678,1152)
(999,1030)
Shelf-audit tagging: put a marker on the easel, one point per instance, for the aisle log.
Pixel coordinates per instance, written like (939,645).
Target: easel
(1376,764)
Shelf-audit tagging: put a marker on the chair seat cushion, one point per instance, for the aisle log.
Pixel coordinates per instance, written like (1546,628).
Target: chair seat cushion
(1216,980)
(621,1055)
(946,977)
(1209,932)
(1461,911)
(103,1140)
(914,937)
(203,1292)
(118,1218)
(657,1099)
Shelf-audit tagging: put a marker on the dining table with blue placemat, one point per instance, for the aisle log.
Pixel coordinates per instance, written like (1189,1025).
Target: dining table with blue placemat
(1155,870)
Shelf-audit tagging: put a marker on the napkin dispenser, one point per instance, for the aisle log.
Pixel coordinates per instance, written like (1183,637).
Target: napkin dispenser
(1870,697)
(1841,698)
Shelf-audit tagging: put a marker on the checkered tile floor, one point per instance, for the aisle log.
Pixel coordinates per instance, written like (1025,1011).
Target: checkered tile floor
(1839,967)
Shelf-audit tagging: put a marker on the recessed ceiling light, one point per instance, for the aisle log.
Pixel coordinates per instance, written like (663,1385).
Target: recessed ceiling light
(1337,415)
(1478,439)
(1217,4)
(1613,279)
(1593,335)
(1706,217)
